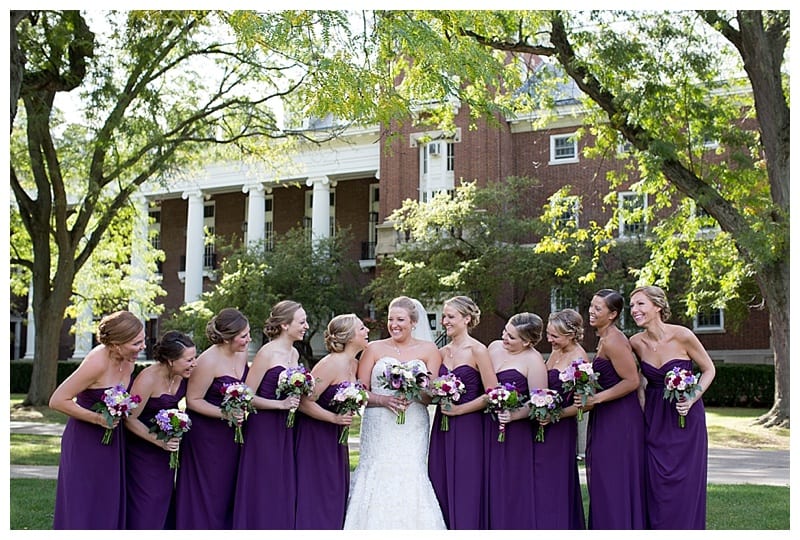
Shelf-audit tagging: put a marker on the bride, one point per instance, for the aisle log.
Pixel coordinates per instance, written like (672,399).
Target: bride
(390,488)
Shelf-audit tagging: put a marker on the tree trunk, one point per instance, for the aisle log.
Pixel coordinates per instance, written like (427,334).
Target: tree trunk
(774,284)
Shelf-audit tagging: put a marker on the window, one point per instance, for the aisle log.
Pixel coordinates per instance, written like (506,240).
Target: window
(563,149)
(308,219)
(451,157)
(709,320)
(269,220)
(707,222)
(437,163)
(209,225)
(560,300)
(565,212)
(631,214)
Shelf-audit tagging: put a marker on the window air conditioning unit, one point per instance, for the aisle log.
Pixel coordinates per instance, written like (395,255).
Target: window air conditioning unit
(434,149)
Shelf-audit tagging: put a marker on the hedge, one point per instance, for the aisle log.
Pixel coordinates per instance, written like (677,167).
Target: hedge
(735,385)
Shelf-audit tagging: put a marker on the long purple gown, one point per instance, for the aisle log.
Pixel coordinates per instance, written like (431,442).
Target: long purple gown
(615,458)
(456,459)
(509,467)
(206,482)
(151,483)
(266,490)
(676,458)
(91,475)
(323,470)
(559,505)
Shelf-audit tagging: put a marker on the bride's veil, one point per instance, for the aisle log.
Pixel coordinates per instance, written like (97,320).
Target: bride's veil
(423,329)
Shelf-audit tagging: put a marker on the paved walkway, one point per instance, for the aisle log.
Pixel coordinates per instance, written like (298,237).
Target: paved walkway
(725,466)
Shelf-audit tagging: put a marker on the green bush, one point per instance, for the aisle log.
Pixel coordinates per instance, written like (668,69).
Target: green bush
(742,385)
(20,373)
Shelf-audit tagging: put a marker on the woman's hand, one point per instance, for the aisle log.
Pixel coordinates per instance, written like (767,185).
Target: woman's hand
(171,445)
(396,404)
(344,419)
(291,402)
(504,417)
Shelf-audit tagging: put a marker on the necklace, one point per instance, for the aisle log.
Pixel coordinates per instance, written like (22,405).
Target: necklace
(170,380)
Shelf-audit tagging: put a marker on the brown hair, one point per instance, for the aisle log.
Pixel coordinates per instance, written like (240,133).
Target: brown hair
(227,324)
(568,322)
(340,331)
(467,308)
(407,304)
(118,328)
(613,300)
(171,346)
(658,297)
(281,313)
(528,325)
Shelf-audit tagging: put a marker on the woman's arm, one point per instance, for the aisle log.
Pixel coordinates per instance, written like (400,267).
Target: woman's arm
(619,353)
(143,386)
(199,382)
(89,371)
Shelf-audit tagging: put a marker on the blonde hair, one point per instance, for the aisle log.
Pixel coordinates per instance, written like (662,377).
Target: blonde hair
(407,304)
(281,313)
(658,297)
(118,328)
(467,308)
(340,331)
(227,324)
(568,322)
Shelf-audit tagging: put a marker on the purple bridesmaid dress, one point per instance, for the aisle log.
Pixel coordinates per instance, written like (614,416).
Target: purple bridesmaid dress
(209,462)
(266,489)
(90,492)
(615,458)
(676,458)
(559,505)
(151,483)
(509,467)
(323,470)
(456,459)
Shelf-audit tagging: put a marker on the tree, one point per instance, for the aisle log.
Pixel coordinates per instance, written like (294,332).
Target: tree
(158,90)
(663,82)
(317,274)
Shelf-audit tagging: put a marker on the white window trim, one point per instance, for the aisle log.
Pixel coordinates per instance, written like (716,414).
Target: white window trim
(556,297)
(575,202)
(709,329)
(558,161)
(620,202)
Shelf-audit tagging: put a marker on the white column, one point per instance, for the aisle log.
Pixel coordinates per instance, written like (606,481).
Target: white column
(255,212)
(30,336)
(321,207)
(83,339)
(193,284)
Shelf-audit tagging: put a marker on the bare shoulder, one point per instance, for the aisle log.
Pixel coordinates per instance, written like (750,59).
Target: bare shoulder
(494,345)
(476,345)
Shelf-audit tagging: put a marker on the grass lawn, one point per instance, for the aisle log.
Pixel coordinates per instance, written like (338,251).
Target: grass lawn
(729,507)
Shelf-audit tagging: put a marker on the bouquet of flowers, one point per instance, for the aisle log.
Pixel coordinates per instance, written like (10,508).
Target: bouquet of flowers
(545,406)
(351,396)
(503,397)
(406,380)
(237,397)
(294,380)
(446,390)
(171,424)
(678,384)
(117,403)
(580,378)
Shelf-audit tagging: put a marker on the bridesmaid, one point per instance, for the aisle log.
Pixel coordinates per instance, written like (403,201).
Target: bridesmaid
(558,489)
(676,458)
(91,475)
(456,456)
(210,458)
(269,444)
(615,434)
(510,469)
(323,473)
(151,483)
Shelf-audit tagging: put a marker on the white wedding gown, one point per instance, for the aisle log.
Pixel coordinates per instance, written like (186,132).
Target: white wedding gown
(390,487)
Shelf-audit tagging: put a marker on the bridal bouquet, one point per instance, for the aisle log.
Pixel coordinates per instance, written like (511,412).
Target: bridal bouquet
(503,397)
(294,380)
(171,424)
(446,390)
(116,403)
(580,378)
(406,380)
(237,398)
(680,384)
(545,407)
(350,396)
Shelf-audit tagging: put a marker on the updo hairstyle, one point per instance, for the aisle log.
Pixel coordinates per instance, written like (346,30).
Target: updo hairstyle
(467,308)
(568,322)
(171,346)
(118,328)
(225,325)
(407,304)
(340,331)
(529,326)
(658,297)
(281,313)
